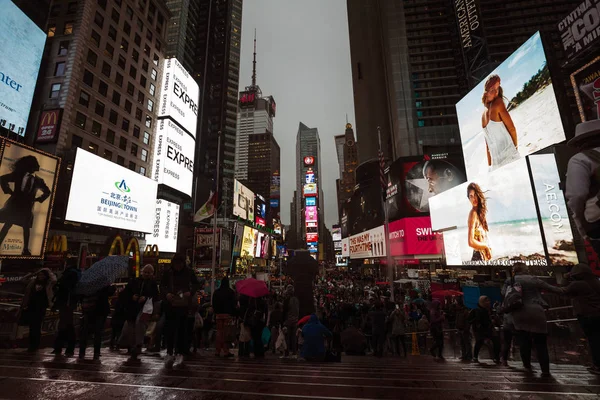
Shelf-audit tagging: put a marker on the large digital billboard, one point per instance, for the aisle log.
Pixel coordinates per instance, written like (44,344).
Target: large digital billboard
(312,237)
(369,244)
(21,47)
(249,242)
(174,151)
(311,201)
(310,213)
(414,236)
(180,94)
(104,193)
(553,210)
(579,29)
(336,233)
(166,227)
(586,85)
(490,221)
(511,113)
(413,180)
(243,201)
(310,189)
(260,213)
(28,179)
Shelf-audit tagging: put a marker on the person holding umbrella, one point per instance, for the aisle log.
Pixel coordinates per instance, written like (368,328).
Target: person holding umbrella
(38,297)
(252,293)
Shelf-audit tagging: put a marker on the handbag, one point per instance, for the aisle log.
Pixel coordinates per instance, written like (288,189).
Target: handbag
(280,344)
(147,310)
(513,299)
(266,336)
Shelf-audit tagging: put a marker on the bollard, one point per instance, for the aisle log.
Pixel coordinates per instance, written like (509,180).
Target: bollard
(415,345)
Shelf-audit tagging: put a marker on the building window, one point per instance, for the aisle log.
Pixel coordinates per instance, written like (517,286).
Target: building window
(112,33)
(92,148)
(144,155)
(92,58)
(137,39)
(88,78)
(148,121)
(76,141)
(130,88)
(158,45)
(113,117)
(72,8)
(96,38)
(153,74)
(143,80)
(125,125)
(121,62)
(146,139)
(55,10)
(156,59)
(150,105)
(147,49)
(59,69)
(122,143)
(152,89)
(103,88)
(128,106)
(54,90)
(99,108)
(84,99)
(110,136)
(132,165)
(145,65)
(141,97)
(138,114)
(116,98)
(63,48)
(109,51)
(135,55)
(124,45)
(132,72)
(134,149)
(68,30)
(136,131)
(115,15)
(119,79)
(140,24)
(99,19)
(106,69)
(102,4)
(107,155)
(127,28)
(129,12)
(80,120)
(149,35)
(51,30)
(96,128)
(143,171)
(120,160)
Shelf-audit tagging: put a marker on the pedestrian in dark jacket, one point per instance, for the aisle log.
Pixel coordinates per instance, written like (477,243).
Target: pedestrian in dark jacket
(224,303)
(117,322)
(256,318)
(314,334)
(178,285)
(436,326)
(38,297)
(481,320)
(275,323)
(65,301)
(95,309)
(585,290)
(464,331)
(377,316)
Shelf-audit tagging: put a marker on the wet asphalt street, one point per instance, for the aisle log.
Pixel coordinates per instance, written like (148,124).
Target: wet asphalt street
(42,376)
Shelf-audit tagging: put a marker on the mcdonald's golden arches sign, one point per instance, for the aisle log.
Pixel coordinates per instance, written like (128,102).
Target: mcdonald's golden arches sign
(49,123)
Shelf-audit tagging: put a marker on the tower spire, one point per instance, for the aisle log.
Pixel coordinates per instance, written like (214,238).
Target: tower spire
(254,62)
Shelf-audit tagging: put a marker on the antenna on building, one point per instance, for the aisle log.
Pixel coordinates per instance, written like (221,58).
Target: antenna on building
(254,62)
(346,118)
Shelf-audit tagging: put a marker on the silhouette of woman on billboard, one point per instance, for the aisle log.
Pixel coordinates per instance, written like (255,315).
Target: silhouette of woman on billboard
(18,209)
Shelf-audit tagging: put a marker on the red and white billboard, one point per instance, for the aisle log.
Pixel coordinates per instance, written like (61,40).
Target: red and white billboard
(413,236)
(311,213)
(309,160)
(312,237)
(49,124)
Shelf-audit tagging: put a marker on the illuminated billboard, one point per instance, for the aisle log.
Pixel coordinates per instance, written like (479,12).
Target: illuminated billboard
(311,214)
(260,213)
(249,237)
(21,46)
(586,85)
(166,226)
(310,176)
(310,189)
(243,201)
(312,237)
(180,94)
(336,233)
(369,244)
(311,201)
(510,114)
(309,160)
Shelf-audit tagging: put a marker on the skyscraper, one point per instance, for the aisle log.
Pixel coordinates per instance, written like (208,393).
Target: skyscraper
(339,150)
(409,68)
(263,162)
(347,179)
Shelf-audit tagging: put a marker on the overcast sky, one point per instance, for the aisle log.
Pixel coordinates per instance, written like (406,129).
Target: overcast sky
(303,61)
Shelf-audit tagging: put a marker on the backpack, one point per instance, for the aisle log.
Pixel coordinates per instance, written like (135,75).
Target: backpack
(65,286)
(592,205)
(513,299)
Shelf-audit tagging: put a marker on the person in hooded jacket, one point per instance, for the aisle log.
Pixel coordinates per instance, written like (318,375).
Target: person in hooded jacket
(480,319)
(65,301)
(314,333)
(398,320)
(585,290)
(95,309)
(38,297)
(436,327)
(225,307)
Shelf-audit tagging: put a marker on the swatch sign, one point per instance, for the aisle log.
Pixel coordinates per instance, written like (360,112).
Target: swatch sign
(414,236)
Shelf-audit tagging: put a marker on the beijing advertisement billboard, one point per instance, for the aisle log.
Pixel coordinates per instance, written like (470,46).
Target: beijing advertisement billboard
(28,179)
(118,197)
(586,85)
(243,201)
(490,221)
(21,47)
(174,151)
(166,227)
(180,94)
(414,236)
(517,115)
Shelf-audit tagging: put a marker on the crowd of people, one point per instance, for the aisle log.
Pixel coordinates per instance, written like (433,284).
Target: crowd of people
(353,315)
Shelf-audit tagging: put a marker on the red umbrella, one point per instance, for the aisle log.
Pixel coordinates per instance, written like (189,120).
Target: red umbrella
(304,320)
(446,293)
(382,283)
(330,296)
(252,288)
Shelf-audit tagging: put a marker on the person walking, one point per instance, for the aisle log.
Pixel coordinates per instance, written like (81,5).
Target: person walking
(314,334)
(224,304)
(291,311)
(480,319)
(178,285)
(464,331)
(436,327)
(275,322)
(95,309)
(508,333)
(398,319)
(585,290)
(257,318)
(66,303)
(530,320)
(136,294)
(378,317)
(38,297)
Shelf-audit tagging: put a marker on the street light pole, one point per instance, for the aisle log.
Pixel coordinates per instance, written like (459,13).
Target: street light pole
(215,215)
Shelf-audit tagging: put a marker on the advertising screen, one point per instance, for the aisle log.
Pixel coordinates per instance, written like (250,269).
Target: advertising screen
(28,180)
(274,203)
(586,85)
(180,94)
(49,125)
(119,197)
(313,247)
(492,220)
(309,160)
(310,189)
(174,151)
(243,201)
(553,210)
(341,261)
(337,246)
(346,247)
(260,212)
(579,29)
(413,236)
(312,237)
(311,201)
(166,226)
(311,214)
(261,243)
(249,242)
(277,228)
(511,113)
(368,244)
(336,233)
(21,46)
(238,235)
(310,176)
(275,185)
(413,180)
